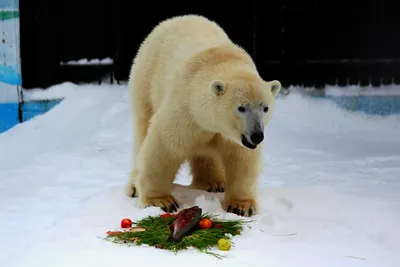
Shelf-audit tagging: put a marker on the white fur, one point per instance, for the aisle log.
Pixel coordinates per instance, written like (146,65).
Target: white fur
(186,83)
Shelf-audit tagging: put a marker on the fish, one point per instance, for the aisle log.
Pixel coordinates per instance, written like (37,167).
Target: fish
(185,222)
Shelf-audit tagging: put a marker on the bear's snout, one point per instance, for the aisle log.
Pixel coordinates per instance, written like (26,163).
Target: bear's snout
(256,137)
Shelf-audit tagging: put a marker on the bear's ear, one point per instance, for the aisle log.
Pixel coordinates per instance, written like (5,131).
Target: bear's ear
(217,87)
(275,87)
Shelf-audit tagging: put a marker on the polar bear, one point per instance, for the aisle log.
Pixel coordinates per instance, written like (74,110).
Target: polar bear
(196,96)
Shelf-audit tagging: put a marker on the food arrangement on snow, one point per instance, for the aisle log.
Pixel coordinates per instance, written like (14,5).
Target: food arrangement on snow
(184,223)
(175,232)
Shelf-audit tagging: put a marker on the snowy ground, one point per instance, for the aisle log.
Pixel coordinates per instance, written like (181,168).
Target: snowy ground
(331,181)
(85,61)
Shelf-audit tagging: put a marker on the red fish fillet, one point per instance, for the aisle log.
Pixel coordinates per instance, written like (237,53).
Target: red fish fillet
(186,221)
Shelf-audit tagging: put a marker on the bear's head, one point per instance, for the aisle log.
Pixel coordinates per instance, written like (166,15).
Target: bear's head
(242,106)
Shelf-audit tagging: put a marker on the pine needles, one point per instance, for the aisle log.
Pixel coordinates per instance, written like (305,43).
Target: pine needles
(157,233)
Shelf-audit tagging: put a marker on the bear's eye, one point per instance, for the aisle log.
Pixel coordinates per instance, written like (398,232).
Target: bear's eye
(241,109)
(265,109)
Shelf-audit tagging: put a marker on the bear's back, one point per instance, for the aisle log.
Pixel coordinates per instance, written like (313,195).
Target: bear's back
(190,34)
(165,52)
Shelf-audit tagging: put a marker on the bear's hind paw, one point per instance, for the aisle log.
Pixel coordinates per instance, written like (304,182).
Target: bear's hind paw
(245,208)
(167,203)
(131,190)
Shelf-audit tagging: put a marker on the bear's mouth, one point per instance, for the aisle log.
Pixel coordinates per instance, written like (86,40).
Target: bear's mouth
(247,143)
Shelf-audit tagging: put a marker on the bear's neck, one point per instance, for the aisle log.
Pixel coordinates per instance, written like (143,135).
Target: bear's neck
(203,113)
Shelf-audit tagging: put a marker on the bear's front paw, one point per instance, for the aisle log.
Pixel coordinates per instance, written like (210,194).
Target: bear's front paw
(167,203)
(131,190)
(209,186)
(244,208)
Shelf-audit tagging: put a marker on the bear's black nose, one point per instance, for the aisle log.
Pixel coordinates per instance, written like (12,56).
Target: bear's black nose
(257,137)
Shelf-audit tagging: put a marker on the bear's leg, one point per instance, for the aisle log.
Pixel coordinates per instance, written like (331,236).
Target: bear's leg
(131,190)
(242,171)
(157,170)
(141,122)
(208,173)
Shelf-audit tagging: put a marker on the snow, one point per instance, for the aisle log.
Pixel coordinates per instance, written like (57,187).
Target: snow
(329,189)
(355,90)
(85,61)
(61,91)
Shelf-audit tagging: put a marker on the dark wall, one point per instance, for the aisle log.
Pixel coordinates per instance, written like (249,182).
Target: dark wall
(310,43)
(334,42)
(39,57)
(136,20)
(54,31)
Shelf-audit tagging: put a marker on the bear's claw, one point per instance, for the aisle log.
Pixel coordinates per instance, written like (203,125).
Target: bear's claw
(213,187)
(131,191)
(245,208)
(134,192)
(167,204)
(217,187)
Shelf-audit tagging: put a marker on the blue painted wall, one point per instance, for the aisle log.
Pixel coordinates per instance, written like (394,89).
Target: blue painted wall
(10,71)
(9,112)
(370,105)
(8,116)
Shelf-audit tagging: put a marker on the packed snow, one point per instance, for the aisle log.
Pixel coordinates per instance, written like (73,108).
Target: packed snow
(85,61)
(329,189)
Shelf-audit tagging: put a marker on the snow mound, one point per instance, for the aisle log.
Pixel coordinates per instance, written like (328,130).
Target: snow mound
(329,189)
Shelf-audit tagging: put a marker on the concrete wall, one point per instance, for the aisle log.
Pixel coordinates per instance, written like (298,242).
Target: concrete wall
(10,74)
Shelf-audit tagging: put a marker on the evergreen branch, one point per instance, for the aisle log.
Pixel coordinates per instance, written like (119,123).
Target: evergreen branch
(158,231)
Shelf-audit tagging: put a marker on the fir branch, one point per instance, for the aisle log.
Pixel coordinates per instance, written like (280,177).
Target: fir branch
(158,231)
